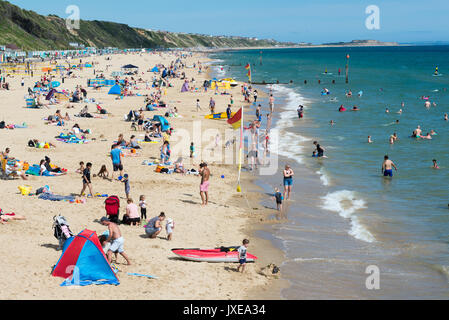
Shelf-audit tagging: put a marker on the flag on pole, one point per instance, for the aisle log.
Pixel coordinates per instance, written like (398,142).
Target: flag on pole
(237,123)
(236,120)
(248,67)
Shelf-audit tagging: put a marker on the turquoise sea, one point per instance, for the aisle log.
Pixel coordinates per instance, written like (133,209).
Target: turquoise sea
(344,215)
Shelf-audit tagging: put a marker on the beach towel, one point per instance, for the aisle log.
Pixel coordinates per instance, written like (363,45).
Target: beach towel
(55,197)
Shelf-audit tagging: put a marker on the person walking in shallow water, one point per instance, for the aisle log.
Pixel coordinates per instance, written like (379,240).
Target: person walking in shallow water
(288,181)
(387,167)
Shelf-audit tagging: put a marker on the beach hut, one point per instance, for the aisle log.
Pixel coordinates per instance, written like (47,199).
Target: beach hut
(165,126)
(116,89)
(83,262)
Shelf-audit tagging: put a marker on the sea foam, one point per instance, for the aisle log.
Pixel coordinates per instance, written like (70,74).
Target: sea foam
(344,202)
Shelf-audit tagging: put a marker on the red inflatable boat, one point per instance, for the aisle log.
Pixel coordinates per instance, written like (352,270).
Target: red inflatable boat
(227,255)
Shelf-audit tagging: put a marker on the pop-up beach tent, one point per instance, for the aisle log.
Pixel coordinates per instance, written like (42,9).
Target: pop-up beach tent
(155,69)
(130,66)
(116,90)
(83,262)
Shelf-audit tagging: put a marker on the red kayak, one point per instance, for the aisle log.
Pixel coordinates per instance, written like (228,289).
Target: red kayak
(227,255)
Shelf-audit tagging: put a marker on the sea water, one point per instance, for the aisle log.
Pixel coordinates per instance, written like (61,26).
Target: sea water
(344,216)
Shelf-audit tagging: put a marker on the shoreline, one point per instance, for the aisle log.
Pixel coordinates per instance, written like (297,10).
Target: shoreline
(265,249)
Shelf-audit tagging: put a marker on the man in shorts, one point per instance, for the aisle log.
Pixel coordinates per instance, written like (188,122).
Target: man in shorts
(116,239)
(204,187)
(387,167)
(116,156)
(154,226)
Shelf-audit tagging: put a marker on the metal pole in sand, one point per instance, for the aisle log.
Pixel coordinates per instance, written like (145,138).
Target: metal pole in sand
(347,68)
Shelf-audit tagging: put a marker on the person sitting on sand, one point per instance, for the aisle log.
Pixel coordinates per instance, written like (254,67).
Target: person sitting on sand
(117,240)
(5,154)
(133,143)
(132,216)
(81,168)
(103,173)
(154,226)
(121,141)
(51,168)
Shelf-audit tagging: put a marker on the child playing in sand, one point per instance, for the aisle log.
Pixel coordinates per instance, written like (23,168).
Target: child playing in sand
(242,255)
(169,228)
(81,168)
(278,197)
(104,173)
(127,187)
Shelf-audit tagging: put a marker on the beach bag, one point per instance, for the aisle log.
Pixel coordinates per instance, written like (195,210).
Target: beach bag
(103,111)
(25,190)
(2,124)
(164,170)
(159,168)
(31,144)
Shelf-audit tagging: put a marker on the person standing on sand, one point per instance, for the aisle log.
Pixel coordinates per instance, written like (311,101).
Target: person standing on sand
(212,105)
(242,255)
(116,155)
(288,182)
(204,187)
(86,180)
(117,240)
(387,167)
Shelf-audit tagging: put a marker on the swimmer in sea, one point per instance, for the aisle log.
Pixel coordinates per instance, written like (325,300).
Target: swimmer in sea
(427,104)
(387,167)
(417,132)
(355,108)
(349,94)
(332,122)
(402,104)
(427,137)
(399,112)
(446,117)
(369,139)
(387,110)
(393,138)
(435,165)
(433,133)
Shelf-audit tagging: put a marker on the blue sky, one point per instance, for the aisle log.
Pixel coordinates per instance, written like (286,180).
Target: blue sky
(315,21)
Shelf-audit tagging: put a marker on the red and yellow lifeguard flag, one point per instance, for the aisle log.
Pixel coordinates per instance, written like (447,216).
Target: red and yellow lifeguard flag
(248,67)
(236,120)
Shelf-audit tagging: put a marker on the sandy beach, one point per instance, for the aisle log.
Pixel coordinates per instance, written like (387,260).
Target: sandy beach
(29,249)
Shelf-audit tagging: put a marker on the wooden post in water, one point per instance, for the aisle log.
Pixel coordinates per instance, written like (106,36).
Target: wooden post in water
(347,68)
